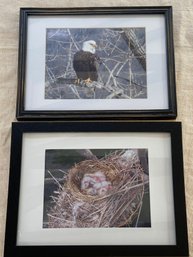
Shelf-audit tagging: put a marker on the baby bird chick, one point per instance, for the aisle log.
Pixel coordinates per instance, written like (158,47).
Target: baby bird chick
(95,184)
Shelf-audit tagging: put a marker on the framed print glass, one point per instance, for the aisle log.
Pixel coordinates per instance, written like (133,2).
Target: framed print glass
(96,189)
(99,63)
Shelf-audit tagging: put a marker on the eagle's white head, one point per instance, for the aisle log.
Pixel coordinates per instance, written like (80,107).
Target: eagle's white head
(89,46)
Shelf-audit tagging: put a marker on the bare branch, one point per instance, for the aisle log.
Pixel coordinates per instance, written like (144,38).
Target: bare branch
(87,154)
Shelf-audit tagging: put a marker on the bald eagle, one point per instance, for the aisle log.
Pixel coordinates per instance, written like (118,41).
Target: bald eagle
(85,62)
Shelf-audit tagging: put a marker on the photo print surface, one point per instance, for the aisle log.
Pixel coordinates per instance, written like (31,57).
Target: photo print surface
(95,63)
(93,188)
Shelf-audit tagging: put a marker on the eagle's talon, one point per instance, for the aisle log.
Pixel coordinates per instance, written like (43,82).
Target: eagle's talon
(87,81)
(77,81)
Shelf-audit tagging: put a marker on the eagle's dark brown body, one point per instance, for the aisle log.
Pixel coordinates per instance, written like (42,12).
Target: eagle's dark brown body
(85,66)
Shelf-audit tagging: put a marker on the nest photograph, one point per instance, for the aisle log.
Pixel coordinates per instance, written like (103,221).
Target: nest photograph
(93,188)
(95,63)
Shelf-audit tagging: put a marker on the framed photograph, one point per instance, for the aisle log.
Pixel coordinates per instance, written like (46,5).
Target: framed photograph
(96,189)
(96,63)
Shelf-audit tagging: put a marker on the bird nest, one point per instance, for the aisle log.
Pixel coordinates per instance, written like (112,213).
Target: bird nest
(119,206)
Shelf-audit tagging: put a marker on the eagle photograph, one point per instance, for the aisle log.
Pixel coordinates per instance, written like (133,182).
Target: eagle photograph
(95,63)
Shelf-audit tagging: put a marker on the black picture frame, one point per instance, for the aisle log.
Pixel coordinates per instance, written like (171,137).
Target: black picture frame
(169,112)
(19,129)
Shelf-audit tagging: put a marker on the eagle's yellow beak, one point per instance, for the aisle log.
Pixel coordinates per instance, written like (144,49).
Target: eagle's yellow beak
(94,45)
